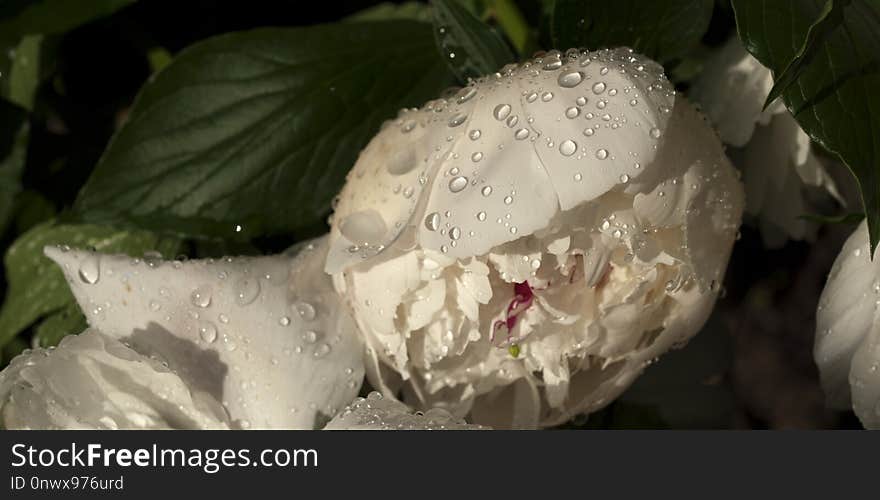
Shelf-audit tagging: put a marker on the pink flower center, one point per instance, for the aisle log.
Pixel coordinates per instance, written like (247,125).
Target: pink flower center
(523,296)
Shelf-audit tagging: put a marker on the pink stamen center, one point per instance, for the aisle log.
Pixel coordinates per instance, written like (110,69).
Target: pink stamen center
(523,296)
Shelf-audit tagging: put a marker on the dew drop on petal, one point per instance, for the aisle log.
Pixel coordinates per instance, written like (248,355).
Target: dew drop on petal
(570,79)
(457,184)
(501,111)
(201,296)
(598,88)
(568,147)
(602,154)
(247,289)
(207,331)
(432,221)
(89,269)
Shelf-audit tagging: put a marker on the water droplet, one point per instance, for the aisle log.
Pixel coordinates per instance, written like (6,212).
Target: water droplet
(476,157)
(457,184)
(322,350)
(570,79)
(532,97)
(201,296)
(598,88)
(207,331)
(487,190)
(547,96)
(572,112)
(284,321)
(602,154)
(401,162)
(512,121)
(247,289)
(455,233)
(508,200)
(624,178)
(501,111)
(481,216)
(305,310)
(553,63)
(568,147)
(578,177)
(581,101)
(475,134)
(89,269)
(589,131)
(432,221)
(366,226)
(457,119)
(155,306)
(655,133)
(521,134)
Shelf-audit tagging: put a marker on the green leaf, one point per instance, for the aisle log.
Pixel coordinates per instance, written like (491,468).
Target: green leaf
(470,47)
(68,321)
(24,72)
(415,11)
(23,26)
(829,19)
(252,133)
(36,284)
(56,16)
(661,29)
(14,128)
(834,95)
(852,219)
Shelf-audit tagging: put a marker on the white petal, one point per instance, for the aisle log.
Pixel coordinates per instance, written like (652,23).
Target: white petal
(731,90)
(265,336)
(501,158)
(378,413)
(92,381)
(846,314)
(864,378)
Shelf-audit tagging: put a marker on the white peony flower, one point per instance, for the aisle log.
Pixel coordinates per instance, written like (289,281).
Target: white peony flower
(772,151)
(206,344)
(847,349)
(520,250)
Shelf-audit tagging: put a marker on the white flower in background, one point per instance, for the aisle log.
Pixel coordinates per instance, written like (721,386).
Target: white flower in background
(769,146)
(847,348)
(205,344)
(521,250)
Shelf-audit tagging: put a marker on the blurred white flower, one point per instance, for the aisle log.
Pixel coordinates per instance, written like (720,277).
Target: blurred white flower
(769,146)
(847,348)
(234,342)
(521,250)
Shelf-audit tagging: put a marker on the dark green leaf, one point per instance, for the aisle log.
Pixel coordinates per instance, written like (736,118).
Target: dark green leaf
(56,16)
(834,96)
(416,11)
(470,47)
(838,219)
(67,321)
(252,133)
(662,30)
(36,284)
(829,20)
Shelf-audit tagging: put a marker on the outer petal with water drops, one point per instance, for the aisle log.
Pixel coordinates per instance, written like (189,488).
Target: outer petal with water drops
(777,162)
(847,348)
(93,381)
(265,337)
(378,413)
(520,251)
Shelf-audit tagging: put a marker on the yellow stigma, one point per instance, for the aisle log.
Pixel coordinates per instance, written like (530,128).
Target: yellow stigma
(513,350)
